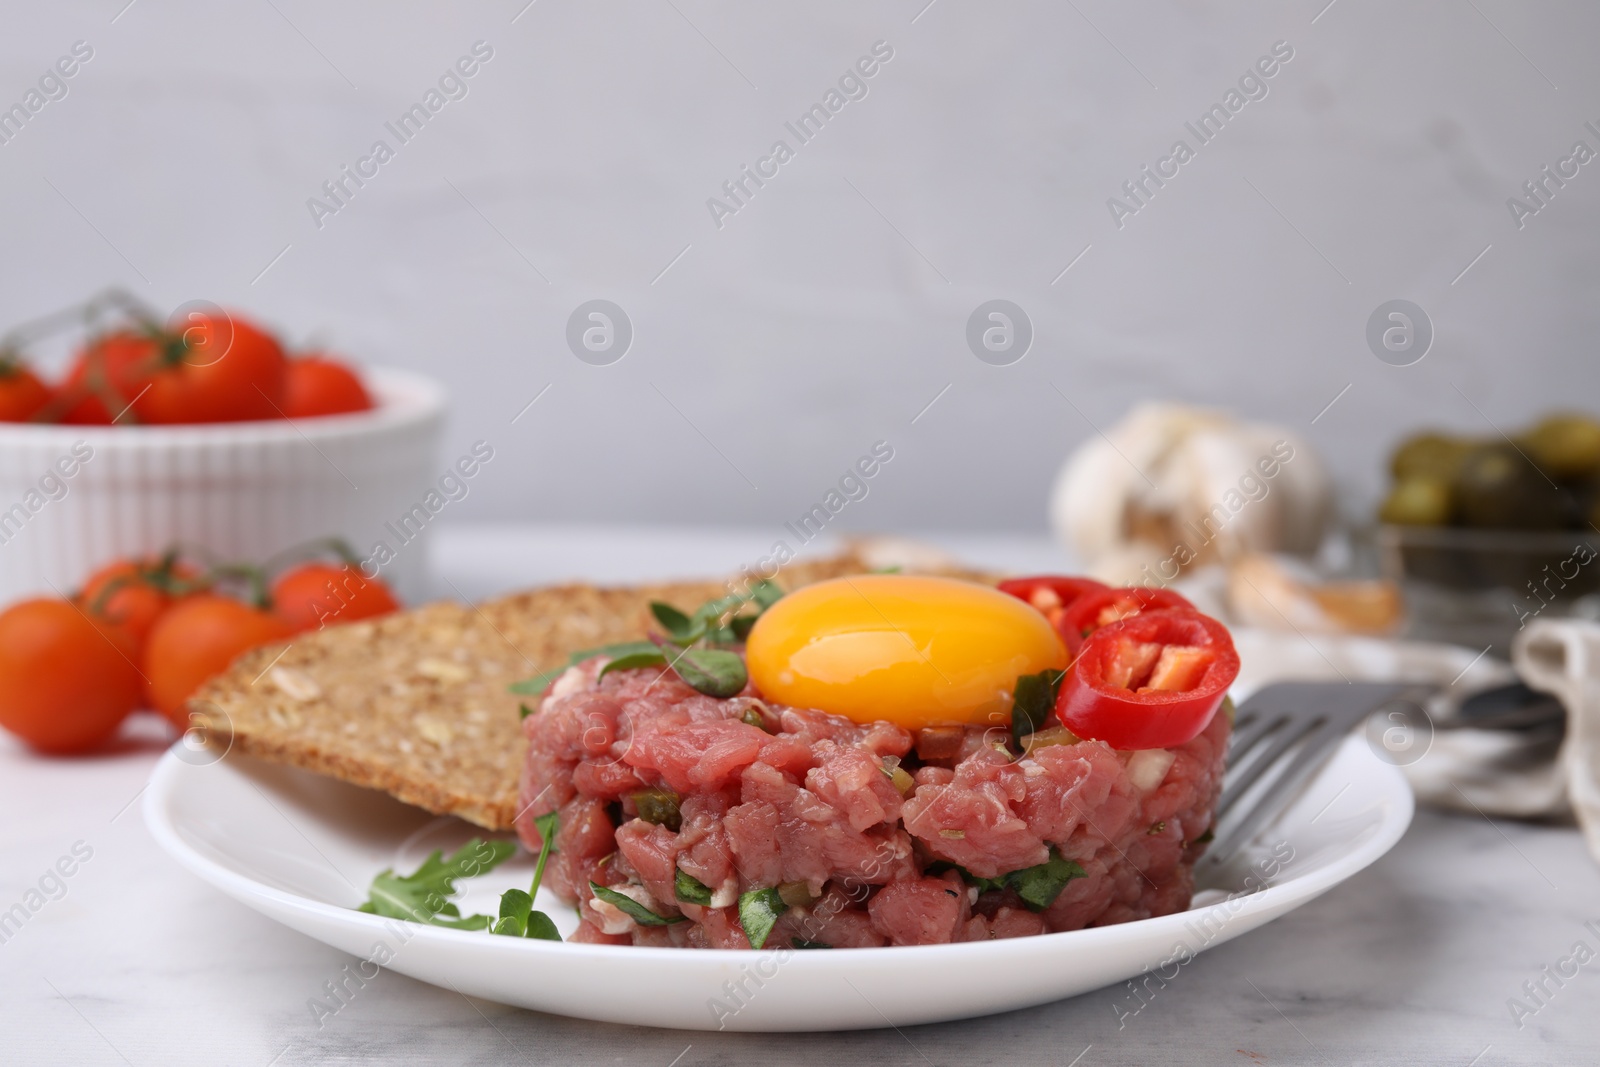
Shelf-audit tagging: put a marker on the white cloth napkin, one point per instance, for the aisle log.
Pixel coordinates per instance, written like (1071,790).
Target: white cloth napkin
(1490,772)
(1562,657)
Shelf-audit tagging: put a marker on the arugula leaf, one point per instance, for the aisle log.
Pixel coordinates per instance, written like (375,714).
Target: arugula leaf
(454,921)
(691,890)
(1032,703)
(632,908)
(423,896)
(1039,886)
(712,671)
(758,911)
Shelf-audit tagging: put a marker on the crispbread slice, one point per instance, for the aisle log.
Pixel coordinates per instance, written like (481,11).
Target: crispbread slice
(416,704)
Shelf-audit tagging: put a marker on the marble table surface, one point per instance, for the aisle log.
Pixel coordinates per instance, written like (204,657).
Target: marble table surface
(131,960)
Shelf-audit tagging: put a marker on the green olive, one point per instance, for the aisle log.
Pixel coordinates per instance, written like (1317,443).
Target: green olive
(1418,501)
(1498,487)
(1429,455)
(1566,447)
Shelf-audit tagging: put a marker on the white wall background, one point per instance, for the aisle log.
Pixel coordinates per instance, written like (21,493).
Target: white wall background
(832,309)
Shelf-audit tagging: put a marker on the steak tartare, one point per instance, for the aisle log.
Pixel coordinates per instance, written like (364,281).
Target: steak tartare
(699,821)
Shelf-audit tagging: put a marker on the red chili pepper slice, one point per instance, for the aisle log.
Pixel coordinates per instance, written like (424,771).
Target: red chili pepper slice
(1153,680)
(1096,609)
(1052,594)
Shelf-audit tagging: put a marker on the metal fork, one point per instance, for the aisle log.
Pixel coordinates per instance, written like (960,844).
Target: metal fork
(1282,735)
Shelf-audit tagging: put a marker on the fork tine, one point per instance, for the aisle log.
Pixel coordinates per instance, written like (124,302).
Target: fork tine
(1317,749)
(1247,734)
(1292,728)
(1247,774)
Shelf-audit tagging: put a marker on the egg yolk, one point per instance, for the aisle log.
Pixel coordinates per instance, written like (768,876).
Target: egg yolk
(915,651)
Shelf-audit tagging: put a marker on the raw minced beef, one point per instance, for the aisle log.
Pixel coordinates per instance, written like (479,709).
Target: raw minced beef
(866,843)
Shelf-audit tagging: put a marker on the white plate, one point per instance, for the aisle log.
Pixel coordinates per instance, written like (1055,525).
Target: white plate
(301,849)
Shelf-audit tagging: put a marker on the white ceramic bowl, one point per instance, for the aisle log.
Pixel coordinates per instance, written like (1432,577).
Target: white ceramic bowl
(73,498)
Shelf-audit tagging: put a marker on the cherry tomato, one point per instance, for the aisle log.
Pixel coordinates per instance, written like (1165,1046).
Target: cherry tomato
(215,371)
(1103,607)
(106,376)
(319,594)
(22,394)
(66,683)
(220,378)
(320,386)
(197,639)
(1051,594)
(131,594)
(1153,680)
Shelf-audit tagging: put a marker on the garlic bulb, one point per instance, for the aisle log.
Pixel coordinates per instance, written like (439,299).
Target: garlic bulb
(1171,486)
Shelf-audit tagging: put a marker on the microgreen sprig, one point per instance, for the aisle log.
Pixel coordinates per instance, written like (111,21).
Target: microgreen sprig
(690,649)
(517,915)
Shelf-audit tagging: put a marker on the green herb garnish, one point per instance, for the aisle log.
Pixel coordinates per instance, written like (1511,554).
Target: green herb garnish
(632,908)
(712,671)
(721,621)
(424,895)
(517,916)
(535,686)
(1039,886)
(984,884)
(690,652)
(653,658)
(679,626)
(691,890)
(758,911)
(1032,703)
